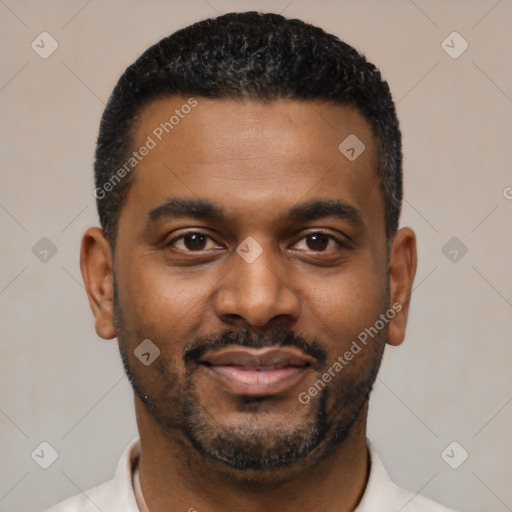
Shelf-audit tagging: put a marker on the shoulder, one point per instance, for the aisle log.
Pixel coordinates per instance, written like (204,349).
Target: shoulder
(383,494)
(87,501)
(418,503)
(112,496)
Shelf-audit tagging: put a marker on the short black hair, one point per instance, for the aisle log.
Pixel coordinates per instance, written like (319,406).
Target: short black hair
(248,55)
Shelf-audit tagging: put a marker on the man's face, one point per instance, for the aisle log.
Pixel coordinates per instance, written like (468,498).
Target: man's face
(292,253)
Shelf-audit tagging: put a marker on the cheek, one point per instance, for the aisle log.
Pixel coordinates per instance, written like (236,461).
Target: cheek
(161,303)
(346,303)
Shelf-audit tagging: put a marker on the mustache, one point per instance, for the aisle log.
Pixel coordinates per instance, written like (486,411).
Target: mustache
(246,338)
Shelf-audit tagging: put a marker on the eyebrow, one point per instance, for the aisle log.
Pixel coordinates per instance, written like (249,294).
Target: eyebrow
(201,209)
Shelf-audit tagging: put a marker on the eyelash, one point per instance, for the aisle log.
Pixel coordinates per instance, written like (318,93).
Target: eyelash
(339,242)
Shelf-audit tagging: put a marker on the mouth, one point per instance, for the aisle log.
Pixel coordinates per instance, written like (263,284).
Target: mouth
(255,373)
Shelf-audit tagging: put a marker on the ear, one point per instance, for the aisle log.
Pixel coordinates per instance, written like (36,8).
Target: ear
(402,269)
(96,267)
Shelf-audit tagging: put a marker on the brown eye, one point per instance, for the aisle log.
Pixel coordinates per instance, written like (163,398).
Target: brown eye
(317,241)
(192,242)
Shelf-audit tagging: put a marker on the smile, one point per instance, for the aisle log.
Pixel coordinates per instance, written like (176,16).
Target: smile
(257,372)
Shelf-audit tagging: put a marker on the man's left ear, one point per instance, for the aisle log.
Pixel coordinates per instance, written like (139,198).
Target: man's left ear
(402,269)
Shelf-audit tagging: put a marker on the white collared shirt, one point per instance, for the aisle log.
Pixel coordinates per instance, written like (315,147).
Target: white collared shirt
(118,494)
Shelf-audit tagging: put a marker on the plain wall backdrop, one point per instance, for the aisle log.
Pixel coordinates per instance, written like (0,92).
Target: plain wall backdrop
(449,382)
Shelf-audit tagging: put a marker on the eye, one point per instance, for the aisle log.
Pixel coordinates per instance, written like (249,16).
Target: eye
(192,241)
(319,242)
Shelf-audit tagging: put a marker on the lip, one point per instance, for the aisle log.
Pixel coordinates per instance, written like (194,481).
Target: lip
(261,372)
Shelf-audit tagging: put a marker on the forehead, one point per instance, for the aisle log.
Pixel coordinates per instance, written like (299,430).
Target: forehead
(248,155)
(223,127)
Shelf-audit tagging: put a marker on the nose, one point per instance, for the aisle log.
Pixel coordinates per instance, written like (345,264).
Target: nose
(253,294)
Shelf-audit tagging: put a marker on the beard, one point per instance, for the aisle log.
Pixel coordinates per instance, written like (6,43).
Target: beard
(169,392)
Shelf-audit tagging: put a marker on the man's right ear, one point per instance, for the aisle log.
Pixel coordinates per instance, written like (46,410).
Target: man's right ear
(96,267)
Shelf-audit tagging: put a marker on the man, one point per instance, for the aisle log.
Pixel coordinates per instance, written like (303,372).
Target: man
(248,183)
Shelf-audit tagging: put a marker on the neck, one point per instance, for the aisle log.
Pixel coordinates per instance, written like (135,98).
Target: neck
(174,476)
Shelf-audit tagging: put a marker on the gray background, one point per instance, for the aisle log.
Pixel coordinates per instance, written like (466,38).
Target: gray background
(450,380)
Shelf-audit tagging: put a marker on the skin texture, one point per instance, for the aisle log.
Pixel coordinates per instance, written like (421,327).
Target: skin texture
(202,446)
